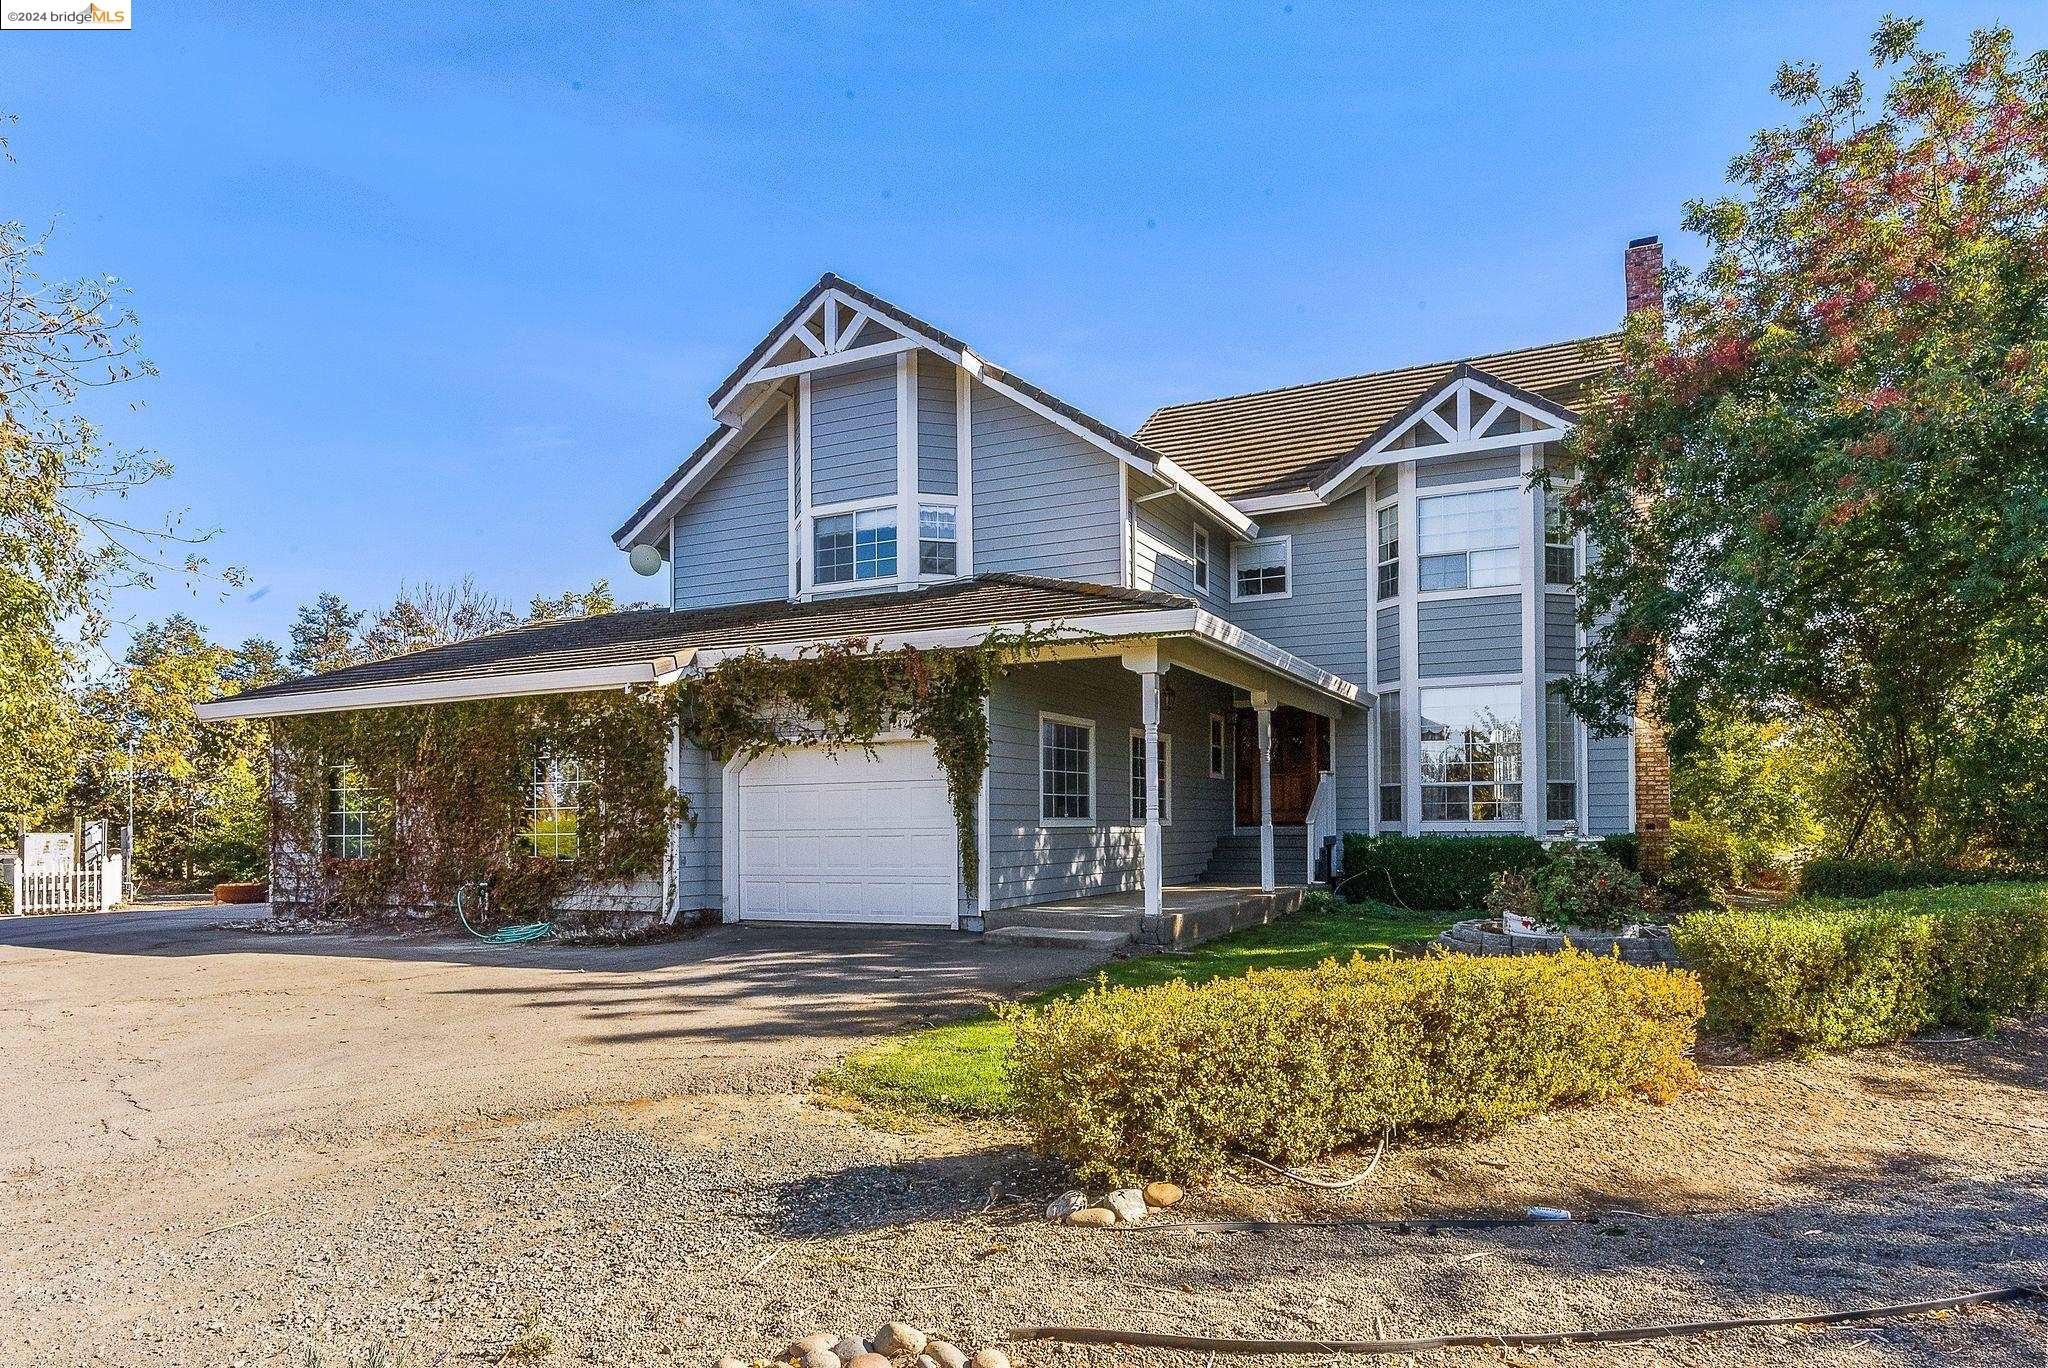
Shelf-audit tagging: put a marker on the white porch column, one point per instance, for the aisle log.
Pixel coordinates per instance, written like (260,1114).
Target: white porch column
(1155,847)
(1262,705)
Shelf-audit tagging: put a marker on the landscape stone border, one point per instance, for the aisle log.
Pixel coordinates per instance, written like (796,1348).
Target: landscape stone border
(1485,936)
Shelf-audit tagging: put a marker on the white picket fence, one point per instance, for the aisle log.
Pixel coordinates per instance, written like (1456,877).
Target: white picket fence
(94,888)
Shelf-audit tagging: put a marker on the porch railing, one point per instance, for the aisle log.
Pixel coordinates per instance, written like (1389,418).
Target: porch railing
(1322,821)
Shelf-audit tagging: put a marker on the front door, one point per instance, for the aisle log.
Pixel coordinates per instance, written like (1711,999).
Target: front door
(1301,752)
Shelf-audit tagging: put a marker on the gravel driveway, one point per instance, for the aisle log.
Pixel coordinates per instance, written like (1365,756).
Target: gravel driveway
(712,1204)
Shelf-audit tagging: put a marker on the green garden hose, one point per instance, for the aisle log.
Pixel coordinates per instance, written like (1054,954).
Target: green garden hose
(504,935)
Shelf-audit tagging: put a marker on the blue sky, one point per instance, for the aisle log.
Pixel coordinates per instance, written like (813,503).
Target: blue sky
(441,290)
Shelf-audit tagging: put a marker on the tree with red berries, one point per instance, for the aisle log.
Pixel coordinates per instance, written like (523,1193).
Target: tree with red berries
(1820,479)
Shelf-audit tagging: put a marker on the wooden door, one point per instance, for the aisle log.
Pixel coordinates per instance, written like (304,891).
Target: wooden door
(1301,752)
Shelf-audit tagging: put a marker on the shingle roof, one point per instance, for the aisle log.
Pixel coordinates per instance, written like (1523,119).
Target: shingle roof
(649,634)
(1275,441)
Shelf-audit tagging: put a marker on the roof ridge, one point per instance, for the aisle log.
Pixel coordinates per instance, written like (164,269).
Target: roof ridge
(1468,359)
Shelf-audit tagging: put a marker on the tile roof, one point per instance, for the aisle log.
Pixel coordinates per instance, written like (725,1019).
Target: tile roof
(649,634)
(1276,441)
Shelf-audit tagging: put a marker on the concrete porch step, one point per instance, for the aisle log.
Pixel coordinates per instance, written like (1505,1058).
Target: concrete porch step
(1062,937)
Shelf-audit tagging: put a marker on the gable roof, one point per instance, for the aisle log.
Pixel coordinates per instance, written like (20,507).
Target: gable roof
(735,388)
(1286,440)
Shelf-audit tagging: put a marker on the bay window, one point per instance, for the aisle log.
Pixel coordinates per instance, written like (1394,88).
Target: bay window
(1471,754)
(1469,541)
(1393,776)
(1560,758)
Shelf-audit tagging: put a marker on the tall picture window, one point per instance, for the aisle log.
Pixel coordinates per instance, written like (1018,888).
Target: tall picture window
(1471,754)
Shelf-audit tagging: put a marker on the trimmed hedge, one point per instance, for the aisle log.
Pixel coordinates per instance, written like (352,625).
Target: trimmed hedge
(1825,973)
(1435,873)
(1834,877)
(1288,1065)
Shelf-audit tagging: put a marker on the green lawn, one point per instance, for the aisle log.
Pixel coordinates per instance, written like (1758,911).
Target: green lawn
(958,1069)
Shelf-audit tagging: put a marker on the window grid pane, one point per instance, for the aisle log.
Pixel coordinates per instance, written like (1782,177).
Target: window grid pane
(1390,551)
(346,829)
(1393,775)
(1065,762)
(1469,541)
(554,808)
(1200,547)
(938,545)
(1560,757)
(1471,758)
(874,544)
(832,549)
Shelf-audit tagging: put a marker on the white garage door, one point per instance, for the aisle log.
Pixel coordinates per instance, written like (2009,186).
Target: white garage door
(847,838)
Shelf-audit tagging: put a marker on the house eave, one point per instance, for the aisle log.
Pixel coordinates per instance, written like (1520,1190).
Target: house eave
(410,693)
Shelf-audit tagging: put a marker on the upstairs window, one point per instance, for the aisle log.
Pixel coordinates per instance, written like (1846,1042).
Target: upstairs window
(554,809)
(938,541)
(1199,546)
(1265,569)
(1140,809)
(1560,547)
(1469,541)
(1390,551)
(847,548)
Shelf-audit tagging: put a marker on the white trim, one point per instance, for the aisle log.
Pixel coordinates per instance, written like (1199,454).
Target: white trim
(1410,680)
(853,356)
(1219,744)
(1279,503)
(981,836)
(1094,761)
(584,679)
(1286,540)
(1166,746)
(1465,439)
(963,449)
(1127,543)
(1203,497)
(795,510)
(906,468)
(729,840)
(1535,608)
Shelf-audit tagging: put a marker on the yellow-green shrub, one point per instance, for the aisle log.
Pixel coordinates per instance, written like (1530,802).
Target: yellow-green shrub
(1823,973)
(1288,1065)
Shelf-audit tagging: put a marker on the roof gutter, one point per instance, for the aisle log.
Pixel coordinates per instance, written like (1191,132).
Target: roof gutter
(584,679)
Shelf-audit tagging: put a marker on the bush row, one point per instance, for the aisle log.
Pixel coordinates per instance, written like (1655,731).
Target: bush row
(1448,873)
(1825,973)
(1832,876)
(1289,1065)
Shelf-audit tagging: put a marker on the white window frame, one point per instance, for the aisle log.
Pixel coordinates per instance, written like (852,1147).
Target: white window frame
(951,504)
(1455,491)
(1165,763)
(1219,745)
(1198,549)
(576,787)
(1571,544)
(1411,729)
(810,550)
(1286,542)
(1392,503)
(1089,727)
(344,844)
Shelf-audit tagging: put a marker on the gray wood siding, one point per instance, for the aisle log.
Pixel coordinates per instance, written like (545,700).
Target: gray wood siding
(699,882)
(1560,634)
(1469,470)
(1469,636)
(1607,781)
(938,420)
(1029,862)
(1045,502)
(853,434)
(1325,621)
(1163,551)
(732,540)
(1387,624)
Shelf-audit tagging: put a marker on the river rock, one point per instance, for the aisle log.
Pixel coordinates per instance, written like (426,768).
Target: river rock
(821,1358)
(1128,1204)
(850,1347)
(991,1358)
(730,1362)
(821,1340)
(1162,1194)
(1065,1205)
(948,1355)
(1093,1216)
(897,1338)
(869,1360)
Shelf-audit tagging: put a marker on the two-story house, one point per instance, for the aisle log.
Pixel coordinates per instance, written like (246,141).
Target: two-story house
(1267,618)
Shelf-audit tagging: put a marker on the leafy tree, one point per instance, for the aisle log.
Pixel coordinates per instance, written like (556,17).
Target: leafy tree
(589,603)
(64,539)
(429,614)
(1820,480)
(323,636)
(1751,783)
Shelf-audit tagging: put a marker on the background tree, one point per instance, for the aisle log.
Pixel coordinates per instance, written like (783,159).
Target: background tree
(428,614)
(323,636)
(1821,481)
(589,603)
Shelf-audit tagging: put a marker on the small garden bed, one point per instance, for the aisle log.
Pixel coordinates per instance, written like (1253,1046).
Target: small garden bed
(960,1069)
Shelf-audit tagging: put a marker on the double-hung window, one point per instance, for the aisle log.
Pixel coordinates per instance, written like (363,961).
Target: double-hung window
(554,809)
(1198,546)
(1472,754)
(349,817)
(1390,550)
(1264,569)
(1393,778)
(938,541)
(1560,548)
(1560,758)
(1066,770)
(1469,541)
(847,548)
(1140,808)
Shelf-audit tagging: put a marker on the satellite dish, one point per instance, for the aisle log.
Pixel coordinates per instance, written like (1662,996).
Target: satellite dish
(645,559)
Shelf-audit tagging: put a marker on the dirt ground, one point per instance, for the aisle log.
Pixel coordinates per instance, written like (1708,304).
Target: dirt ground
(709,1204)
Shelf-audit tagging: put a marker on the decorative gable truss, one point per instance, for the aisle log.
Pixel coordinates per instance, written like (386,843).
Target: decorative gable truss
(1467,413)
(832,329)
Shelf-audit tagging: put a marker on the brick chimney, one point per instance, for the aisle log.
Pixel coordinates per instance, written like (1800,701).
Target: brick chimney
(1642,272)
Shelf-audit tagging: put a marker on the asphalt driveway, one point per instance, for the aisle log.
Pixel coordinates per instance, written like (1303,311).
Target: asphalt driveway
(136,1033)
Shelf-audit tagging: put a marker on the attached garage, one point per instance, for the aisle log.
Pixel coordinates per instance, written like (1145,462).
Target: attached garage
(852,837)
